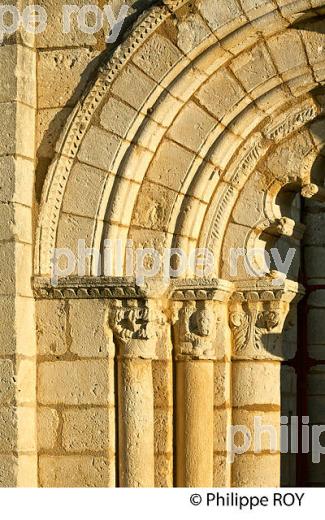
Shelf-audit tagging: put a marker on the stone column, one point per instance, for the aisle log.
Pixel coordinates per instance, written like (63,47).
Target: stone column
(133,325)
(258,312)
(195,354)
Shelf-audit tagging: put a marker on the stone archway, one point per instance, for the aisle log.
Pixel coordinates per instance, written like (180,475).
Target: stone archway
(181,132)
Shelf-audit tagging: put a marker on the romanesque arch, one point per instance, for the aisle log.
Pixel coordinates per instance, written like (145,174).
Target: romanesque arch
(191,132)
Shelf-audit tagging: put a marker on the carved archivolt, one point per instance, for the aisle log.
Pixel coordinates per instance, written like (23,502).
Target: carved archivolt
(215,219)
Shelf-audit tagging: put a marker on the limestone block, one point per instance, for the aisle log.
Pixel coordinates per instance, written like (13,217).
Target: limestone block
(75,471)
(8,429)
(75,382)
(95,139)
(235,238)
(17,83)
(270,23)
(16,180)
(170,165)
(256,471)
(117,117)
(221,15)
(164,471)
(83,179)
(24,336)
(62,77)
(314,41)
(51,327)
(254,67)
(163,431)
(290,9)
(88,335)
(149,238)
(26,430)
(8,326)
(47,431)
(256,8)
(222,377)
(192,127)
(221,471)
(222,419)
(24,269)
(7,381)
(8,470)
(162,383)
(249,207)
(8,81)
(27,473)
(283,161)
(19,339)
(71,230)
(15,261)
(91,429)
(220,94)
(15,222)
(17,138)
(26,381)
(157,57)
(54,36)
(133,86)
(191,32)
(155,207)
(280,46)
(256,383)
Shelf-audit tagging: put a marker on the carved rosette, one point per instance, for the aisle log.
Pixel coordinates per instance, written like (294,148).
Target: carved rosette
(135,326)
(257,317)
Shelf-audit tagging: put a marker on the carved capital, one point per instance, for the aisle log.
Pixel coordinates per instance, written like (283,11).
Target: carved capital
(257,319)
(196,322)
(135,325)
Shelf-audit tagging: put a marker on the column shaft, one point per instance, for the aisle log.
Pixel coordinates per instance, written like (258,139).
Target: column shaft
(194,423)
(136,423)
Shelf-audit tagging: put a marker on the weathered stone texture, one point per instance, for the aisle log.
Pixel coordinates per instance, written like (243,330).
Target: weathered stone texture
(202,127)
